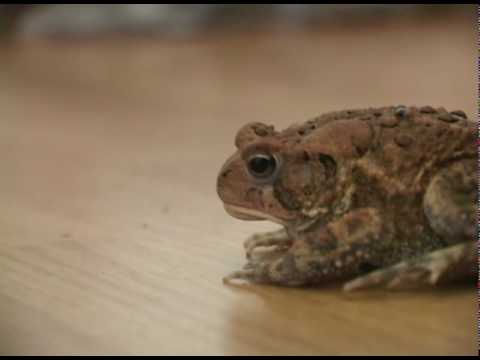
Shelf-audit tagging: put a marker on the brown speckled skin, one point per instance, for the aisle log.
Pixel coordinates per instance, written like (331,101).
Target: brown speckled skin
(356,190)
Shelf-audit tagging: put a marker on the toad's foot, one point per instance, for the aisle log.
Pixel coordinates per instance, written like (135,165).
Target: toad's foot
(279,239)
(454,262)
(275,270)
(245,274)
(251,272)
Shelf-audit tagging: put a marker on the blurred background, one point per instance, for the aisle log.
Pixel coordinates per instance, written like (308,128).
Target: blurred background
(347,55)
(114,122)
(285,60)
(195,19)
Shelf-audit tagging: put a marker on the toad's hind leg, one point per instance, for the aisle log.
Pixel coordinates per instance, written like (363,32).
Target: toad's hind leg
(450,202)
(444,265)
(450,206)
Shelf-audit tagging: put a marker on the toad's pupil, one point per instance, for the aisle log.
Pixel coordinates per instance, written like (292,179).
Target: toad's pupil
(261,165)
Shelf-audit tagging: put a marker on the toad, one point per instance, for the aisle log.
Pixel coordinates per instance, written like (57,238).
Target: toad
(366,197)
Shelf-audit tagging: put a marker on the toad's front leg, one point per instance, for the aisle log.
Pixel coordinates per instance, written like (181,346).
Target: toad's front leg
(333,252)
(279,239)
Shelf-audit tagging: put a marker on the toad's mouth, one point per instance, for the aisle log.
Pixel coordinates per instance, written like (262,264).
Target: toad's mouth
(250,214)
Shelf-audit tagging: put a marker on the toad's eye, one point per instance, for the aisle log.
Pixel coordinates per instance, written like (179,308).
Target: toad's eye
(262,165)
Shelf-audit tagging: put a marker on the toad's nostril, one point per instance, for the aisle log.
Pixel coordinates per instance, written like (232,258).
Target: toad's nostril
(225,173)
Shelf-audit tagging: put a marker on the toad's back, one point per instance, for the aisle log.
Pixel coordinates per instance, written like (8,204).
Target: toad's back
(404,146)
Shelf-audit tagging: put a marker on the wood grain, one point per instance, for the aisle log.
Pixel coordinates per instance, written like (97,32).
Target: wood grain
(113,240)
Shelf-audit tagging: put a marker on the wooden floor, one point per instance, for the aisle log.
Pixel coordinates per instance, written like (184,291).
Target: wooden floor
(113,240)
